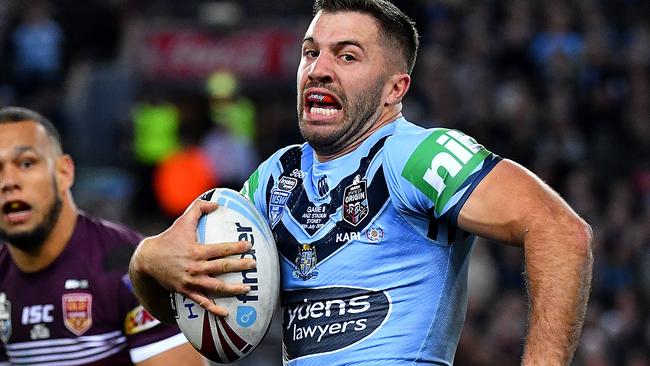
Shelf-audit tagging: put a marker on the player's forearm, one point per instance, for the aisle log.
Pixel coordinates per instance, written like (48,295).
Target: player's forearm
(558,267)
(151,294)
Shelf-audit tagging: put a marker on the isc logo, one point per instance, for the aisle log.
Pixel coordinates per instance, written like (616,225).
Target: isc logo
(459,149)
(35,314)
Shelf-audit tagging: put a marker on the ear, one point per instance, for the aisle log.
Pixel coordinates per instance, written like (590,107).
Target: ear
(65,172)
(399,84)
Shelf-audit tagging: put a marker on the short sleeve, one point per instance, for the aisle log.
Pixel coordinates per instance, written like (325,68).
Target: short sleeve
(146,335)
(433,172)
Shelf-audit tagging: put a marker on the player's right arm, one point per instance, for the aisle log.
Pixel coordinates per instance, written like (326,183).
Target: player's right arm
(457,181)
(174,261)
(513,206)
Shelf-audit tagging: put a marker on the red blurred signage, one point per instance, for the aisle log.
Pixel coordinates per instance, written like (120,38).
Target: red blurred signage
(190,54)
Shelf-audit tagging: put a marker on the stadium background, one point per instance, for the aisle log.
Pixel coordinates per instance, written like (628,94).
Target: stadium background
(153,94)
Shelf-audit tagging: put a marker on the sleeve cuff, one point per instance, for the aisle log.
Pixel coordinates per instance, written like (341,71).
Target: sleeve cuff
(140,354)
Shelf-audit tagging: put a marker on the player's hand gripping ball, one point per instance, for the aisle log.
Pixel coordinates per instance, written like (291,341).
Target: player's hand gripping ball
(229,339)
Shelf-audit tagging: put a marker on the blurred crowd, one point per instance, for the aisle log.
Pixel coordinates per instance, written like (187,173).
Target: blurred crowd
(562,87)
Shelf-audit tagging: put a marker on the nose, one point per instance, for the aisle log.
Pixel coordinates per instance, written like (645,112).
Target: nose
(321,69)
(8,179)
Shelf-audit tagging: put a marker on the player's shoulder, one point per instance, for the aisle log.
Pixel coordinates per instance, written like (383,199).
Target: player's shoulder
(405,140)
(109,233)
(435,166)
(290,154)
(411,142)
(273,165)
(288,157)
(406,131)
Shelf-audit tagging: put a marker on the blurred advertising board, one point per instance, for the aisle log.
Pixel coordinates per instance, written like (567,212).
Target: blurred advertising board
(182,54)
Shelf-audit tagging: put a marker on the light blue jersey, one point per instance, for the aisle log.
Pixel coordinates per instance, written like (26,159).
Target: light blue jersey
(374,267)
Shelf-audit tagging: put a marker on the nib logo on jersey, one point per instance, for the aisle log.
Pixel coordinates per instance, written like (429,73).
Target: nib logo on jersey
(329,319)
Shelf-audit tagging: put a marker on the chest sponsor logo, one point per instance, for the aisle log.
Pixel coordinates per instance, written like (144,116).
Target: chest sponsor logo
(5,318)
(325,320)
(34,314)
(139,320)
(287,184)
(355,202)
(77,312)
(347,236)
(277,204)
(305,263)
(73,284)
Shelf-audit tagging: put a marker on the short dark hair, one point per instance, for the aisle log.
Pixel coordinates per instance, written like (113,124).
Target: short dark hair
(399,28)
(19,114)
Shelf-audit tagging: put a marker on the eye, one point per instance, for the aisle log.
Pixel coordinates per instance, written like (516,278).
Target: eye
(26,163)
(348,57)
(310,53)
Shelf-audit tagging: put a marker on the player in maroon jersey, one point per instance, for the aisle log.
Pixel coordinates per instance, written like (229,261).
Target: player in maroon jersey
(65,298)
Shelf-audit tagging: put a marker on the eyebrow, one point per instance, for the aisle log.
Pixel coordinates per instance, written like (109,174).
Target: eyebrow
(339,44)
(19,150)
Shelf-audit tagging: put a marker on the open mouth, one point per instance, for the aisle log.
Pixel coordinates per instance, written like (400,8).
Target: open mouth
(16,211)
(318,103)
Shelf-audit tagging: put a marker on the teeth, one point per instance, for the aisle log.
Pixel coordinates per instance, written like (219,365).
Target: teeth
(323,111)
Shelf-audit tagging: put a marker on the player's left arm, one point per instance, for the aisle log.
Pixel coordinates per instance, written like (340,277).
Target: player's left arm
(182,355)
(513,206)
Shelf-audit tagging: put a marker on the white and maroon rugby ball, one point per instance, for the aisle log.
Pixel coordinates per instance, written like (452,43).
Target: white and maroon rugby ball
(229,339)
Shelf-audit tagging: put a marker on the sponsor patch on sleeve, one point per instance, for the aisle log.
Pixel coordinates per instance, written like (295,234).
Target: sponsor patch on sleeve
(250,186)
(442,163)
(138,320)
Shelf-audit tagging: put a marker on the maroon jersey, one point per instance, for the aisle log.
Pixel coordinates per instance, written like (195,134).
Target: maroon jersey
(80,309)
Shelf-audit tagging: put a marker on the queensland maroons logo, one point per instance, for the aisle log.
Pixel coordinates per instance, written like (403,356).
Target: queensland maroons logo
(77,312)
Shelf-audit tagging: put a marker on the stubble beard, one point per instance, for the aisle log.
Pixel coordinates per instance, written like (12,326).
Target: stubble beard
(359,117)
(32,240)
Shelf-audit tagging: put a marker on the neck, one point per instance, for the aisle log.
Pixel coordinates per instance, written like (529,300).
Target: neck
(384,119)
(42,257)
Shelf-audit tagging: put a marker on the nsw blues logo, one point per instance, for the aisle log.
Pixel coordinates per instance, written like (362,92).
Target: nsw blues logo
(5,318)
(305,263)
(279,198)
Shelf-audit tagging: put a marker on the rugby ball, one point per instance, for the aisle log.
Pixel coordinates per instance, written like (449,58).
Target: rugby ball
(229,339)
